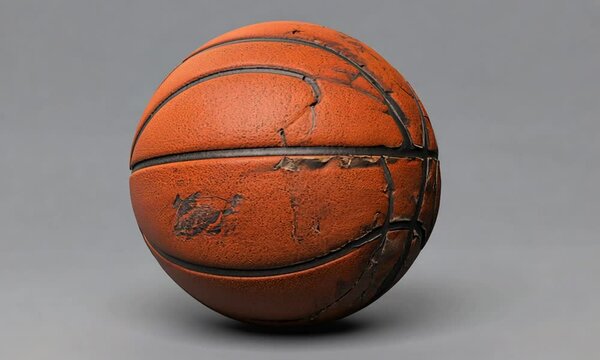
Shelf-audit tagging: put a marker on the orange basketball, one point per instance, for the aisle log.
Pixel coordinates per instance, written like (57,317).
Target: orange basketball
(285,173)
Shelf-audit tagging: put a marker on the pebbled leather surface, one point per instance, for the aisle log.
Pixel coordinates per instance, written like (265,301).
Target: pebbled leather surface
(285,239)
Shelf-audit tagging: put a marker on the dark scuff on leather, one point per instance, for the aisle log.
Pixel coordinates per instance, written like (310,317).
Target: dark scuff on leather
(197,213)
(317,162)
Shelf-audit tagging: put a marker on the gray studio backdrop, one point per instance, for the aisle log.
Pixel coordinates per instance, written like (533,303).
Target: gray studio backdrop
(510,272)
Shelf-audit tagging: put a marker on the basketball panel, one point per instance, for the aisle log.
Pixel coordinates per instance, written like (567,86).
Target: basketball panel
(390,80)
(317,294)
(261,212)
(284,110)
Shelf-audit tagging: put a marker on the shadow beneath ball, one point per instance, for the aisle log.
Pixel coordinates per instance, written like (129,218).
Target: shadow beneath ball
(413,310)
(419,309)
(340,327)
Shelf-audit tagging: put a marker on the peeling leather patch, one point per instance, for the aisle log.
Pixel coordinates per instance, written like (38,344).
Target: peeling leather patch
(317,162)
(199,213)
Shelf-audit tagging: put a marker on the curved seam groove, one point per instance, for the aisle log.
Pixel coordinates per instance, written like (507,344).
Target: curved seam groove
(283,151)
(416,226)
(426,233)
(384,231)
(304,265)
(397,113)
(237,70)
(391,189)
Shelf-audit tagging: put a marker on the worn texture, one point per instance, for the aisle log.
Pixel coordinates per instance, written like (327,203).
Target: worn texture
(284,173)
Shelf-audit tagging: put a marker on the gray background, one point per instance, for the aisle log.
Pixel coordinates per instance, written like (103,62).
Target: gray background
(511,271)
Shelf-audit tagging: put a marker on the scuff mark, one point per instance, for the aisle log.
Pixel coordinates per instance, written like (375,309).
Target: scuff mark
(311,108)
(374,260)
(401,266)
(376,223)
(199,213)
(281,133)
(313,117)
(313,163)
(350,84)
(350,75)
(347,162)
(316,225)
(376,219)
(381,250)
(353,78)
(295,164)
(294,205)
(297,116)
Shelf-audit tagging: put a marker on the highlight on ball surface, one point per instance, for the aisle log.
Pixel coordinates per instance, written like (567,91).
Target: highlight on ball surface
(285,174)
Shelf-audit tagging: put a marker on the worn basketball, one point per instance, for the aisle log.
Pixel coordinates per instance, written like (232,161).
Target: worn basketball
(285,174)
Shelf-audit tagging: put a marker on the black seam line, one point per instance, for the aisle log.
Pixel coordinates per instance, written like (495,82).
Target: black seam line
(335,254)
(437,201)
(374,254)
(426,169)
(238,70)
(416,226)
(285,151)
(397,113)
(390,190)
(387,282)
(372,263)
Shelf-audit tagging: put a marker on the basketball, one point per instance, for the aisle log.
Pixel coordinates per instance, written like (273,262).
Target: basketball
(285,174)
